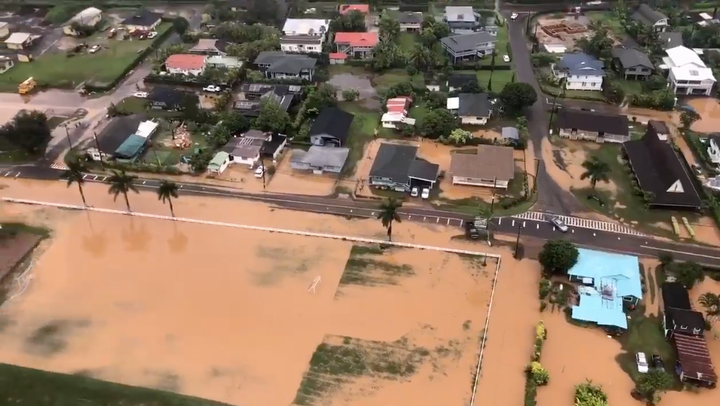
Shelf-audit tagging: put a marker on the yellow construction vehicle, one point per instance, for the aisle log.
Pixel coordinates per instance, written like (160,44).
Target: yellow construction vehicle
(27,86)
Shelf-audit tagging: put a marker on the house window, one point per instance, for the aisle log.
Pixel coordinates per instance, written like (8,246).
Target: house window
(584,84)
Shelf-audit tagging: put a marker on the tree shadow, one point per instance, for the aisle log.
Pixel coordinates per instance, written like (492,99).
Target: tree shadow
(178,241)
(96,242)
(136,237)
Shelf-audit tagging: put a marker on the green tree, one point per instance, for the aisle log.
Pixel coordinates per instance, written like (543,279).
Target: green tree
(438,123)
(199,160)
(589,394)
(28,131)
(471,87)
(350,94)
(688,118)
(652,384)
(272,117)
(515,97)
(711,302)
(459,136)
(120,182)
(687,273)
(389,214)
(558,256)
(166,192)
(353,21)
(389,28)
(74,174)
(422,57)
(595,170)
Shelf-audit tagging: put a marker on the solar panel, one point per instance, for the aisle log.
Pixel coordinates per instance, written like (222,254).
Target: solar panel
(244,105)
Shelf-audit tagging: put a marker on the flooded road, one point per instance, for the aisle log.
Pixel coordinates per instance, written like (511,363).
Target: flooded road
(709,110)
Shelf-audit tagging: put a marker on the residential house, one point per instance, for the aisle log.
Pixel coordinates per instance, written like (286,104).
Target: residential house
(456,81)
(166,98)
(251,96)
(670,39)
(492,166)
(510,135)
(411,22)
(472,108)
(273,146)
(396,116)
(688,73)
(225,62)
(304,35)
(660,170)
(90,17)
(397,167)
(347,8)
(490,26)
(319,159)
(6,63)
(713,148)
(554,48)
(20,40)
(219,162)
(134,145)
(186,64)
(460,18)
(686,328)
(607,282)
(279,65)
(249,148)
(660,128)
(337,58)
(210,47)
(701,19)
(143,20)
(4,29)
(464,47)
(331,127)
(632,63)
(592,126)
(650,18)
(356,44)
(580,71)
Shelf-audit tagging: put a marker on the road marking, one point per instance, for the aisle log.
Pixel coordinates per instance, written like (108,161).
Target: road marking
(6,175)
(16,175)
(448,223)
(144,182)
(424,218)
(500,221)
(523,224)
(438,220)
(512,224)
(581,222)
(84,176)
(538,226)
(95,178)
(679,252)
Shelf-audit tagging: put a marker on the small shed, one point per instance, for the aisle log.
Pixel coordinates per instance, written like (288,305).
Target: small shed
(219,162)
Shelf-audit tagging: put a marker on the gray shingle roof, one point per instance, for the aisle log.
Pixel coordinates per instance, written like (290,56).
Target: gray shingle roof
(581,63)
(475,105)
(646,15)
(465,42)
(321,156)
(281,62)
(411,18)
(631,57)
(671,39)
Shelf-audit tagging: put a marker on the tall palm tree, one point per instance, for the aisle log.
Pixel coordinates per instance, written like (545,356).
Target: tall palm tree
(711,302)
(120,182)
(388,214)
(74,174)
(166,192)
(595,170)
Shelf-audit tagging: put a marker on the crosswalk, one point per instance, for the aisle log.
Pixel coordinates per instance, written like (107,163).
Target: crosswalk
(580,222)
(59,166)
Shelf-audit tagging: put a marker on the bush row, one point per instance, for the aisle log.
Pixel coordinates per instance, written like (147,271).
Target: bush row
(535,374)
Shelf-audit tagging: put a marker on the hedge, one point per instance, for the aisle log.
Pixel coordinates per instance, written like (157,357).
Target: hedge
(530,385)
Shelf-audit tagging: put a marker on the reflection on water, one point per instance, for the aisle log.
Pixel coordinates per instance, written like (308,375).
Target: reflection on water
(135,237)
(178,241)
(709,110)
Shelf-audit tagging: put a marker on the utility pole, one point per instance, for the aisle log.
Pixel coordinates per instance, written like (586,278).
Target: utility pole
(97,144)
(67,136)
(262,163)
(517,242)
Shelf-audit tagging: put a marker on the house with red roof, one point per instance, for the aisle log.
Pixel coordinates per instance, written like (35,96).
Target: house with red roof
(347,8)
(398,109)
(186,64)
(356,44)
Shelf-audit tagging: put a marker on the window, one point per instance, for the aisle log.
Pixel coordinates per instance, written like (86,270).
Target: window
(584,84)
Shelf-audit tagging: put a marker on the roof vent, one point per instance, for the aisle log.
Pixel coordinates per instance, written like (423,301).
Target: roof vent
(697,331)
(683,327)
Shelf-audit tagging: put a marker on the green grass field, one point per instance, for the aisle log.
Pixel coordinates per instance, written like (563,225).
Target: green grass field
(56,69)
(361,132)
(25,386)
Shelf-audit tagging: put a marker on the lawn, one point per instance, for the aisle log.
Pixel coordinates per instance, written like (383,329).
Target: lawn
(40,388)
(609,20)
(501,47)
(56,69)
(392,77)
(361,132)
(500,78)
(407,42)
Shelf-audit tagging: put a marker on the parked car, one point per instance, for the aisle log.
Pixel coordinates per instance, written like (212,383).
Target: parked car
(414,192)
(152,34)
(506,58)
(471,231)
(260,171)
(555,220)
(141,95)
(514,16)
(212,88)
(94,49)
(425,193)
(697,170)
(657,362)
(642,364)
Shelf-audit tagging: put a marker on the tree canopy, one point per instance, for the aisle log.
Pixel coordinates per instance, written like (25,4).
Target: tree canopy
(652,384)
(272,117)
(558,256)
(353,21)
(438,123)
(595,170)
(589,394)
(27,131)
(515,97)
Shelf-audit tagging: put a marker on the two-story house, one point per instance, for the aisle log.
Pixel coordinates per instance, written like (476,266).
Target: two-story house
(251,96)
(464,47)
(460,18)
(210,47)
(304,35)
(356,44)
(279,65)
(411,22)
(592,126)
(632,63)
(580,71)
(688,74)
(186,64)
(650,18)
(5,63)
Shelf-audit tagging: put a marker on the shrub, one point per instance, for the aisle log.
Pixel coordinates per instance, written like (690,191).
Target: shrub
(350,94)
(544,288)
(543,305)
(537,373)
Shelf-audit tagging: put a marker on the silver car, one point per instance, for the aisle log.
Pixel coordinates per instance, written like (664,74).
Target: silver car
(559,224)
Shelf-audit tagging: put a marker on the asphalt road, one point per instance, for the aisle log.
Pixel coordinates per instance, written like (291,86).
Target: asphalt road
(591,237)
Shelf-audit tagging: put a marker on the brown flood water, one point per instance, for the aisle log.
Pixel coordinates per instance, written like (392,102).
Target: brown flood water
(709,110)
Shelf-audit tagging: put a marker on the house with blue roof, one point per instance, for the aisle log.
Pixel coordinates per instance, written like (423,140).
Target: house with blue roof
(580,71)
(608,282)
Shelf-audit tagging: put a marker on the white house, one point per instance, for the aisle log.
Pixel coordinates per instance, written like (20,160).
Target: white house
(397,113)
(305,35)
(219,162)
(186,64)
(688,74)
(713,149)
(472,108)
(580,71)
(5,63)
(90,17)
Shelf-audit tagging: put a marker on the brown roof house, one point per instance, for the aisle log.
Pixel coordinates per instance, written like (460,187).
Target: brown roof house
(491,166)
(186,64)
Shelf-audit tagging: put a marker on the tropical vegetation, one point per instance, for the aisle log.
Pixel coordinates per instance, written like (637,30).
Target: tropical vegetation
(122,183)
(389,214)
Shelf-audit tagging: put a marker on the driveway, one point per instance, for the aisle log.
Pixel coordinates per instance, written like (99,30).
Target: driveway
(551,197)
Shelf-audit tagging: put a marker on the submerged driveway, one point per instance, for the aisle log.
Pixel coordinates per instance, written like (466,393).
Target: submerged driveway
(551,197)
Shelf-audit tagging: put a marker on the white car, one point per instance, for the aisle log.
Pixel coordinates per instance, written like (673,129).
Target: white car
(94,49)
(152,34)
(642,363)
(212,89)
(559,224)
(514,16)
(141,95)
(506,58)
(414,192)
(425,193)
(259,172)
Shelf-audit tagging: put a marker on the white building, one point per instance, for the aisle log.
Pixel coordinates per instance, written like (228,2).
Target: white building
(397,113)
(713,149)
(688,74)
(90,17)
(580,71)
(304,35)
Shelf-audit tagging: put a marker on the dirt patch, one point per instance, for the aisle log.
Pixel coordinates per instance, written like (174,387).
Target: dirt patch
(564,164)
(287,180)
(564,30)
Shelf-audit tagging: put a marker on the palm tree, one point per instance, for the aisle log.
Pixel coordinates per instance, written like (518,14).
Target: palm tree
(595,170)
(120,182)
(388,214)
(389,28)
(711,302)
(422,57)
(166,192)
(74,174)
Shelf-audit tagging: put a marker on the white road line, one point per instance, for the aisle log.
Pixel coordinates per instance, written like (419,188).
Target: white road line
(438,220)
(424,218)
(538,226)
(679,252)
(95,178)
(17,174)
(84,176)
(144,182)
(6,175)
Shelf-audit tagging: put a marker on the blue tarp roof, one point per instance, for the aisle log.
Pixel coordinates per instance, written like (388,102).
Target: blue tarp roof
(131,147)
(614,276)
